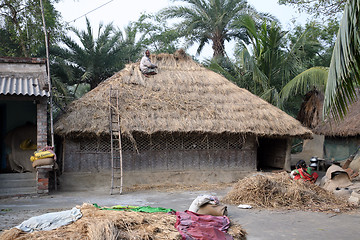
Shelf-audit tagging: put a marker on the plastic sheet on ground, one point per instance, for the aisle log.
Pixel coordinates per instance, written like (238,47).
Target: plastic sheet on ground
(147,209)
(50,221)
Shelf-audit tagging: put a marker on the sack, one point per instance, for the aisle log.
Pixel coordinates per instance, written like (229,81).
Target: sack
(43,154)
(213,209)
(43,161)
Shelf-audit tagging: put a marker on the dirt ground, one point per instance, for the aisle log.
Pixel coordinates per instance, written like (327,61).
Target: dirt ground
(259,223)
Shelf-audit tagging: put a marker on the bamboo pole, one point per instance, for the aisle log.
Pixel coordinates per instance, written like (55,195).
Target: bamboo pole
(48,73)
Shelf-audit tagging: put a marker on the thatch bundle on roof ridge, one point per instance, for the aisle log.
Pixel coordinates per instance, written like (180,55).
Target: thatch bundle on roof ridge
(183,97)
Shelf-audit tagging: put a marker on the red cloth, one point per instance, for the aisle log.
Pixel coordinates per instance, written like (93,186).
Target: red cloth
(306,175)
(203,227)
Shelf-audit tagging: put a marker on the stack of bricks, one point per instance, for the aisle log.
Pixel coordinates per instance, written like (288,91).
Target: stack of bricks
(42,172)
(42,177)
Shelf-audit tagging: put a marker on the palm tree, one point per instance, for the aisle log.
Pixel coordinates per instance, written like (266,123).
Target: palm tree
(314,78)
(208,20)
(343,76)
(344,72)
(131,45)
(93,60)
(310,84)
(267,58)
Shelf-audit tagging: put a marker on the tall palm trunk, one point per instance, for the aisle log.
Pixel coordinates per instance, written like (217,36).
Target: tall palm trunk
(218,45)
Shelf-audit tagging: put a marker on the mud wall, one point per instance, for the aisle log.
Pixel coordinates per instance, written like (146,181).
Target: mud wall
(163,162)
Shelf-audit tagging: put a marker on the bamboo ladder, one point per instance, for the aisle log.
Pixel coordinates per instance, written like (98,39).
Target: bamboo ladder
(115,142)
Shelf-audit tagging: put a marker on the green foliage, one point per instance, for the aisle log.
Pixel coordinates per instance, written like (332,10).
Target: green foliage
(8,47)
(272,57)
(90,60)
(202,21)
(313,51)
(344,72)
(325,8)
(227,68)
(268,63)
(315,48)
(156,34)
(130,47)
(310,79)
(22,28)
(81,64)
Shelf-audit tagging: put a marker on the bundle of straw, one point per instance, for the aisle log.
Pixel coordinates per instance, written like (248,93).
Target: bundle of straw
(278,190)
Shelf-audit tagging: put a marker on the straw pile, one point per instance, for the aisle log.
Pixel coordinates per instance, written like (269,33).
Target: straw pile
(183,97)
(97,224)
(279,191)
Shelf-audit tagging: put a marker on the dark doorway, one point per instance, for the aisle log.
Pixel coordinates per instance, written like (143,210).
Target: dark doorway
(271,154)
(2,137)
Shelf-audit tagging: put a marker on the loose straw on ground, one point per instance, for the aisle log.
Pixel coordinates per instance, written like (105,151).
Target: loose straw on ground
(279,191)
(97,224)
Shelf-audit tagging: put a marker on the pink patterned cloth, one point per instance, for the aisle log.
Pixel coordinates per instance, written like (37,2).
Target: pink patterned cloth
(50,149)
(203,227)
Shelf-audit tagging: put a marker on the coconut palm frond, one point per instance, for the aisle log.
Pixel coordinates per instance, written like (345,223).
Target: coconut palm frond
(213,65)
(260,77)
(207,21)
(271,95)
(344,71)
(304,82)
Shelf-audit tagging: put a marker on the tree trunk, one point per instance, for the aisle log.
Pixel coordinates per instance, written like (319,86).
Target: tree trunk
(218,46)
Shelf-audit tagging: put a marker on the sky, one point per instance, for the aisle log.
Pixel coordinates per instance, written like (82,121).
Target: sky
(121,12)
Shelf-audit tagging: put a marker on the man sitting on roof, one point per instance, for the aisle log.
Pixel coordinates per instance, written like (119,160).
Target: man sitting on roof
(303,172)
(146,67)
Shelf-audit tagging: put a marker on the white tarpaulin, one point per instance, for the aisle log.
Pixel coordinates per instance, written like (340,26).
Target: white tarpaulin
(50,221)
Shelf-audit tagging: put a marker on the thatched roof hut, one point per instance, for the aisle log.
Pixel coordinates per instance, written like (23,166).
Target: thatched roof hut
(185,118)
(336,140)
(347,127)
(182,97)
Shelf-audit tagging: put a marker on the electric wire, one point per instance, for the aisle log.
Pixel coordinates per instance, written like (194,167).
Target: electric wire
(90,11)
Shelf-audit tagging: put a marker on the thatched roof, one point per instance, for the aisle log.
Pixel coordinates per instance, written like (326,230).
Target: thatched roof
(310,113)
(347,127)
(183,97)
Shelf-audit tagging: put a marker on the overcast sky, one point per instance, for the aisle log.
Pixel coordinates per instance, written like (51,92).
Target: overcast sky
(121,12)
